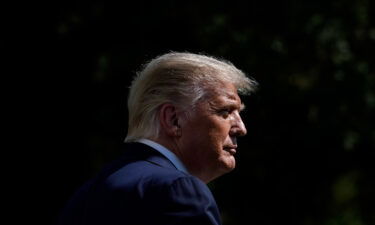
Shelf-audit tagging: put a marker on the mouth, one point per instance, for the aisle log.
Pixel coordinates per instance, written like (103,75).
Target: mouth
(231,149)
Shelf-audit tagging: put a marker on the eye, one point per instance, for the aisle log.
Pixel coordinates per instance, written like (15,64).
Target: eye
(224,112)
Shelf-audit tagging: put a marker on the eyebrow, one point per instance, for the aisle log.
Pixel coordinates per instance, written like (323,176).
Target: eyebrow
(232,97)
(240,109)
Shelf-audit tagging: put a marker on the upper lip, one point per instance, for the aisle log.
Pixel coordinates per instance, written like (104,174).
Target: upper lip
(230,147)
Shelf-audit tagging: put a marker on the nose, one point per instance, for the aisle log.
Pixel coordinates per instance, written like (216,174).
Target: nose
(238,127)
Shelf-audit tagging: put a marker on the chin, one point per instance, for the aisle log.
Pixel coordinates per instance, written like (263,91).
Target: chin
(229,163)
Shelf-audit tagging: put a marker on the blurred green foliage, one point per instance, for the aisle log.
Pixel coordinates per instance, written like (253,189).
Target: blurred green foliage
(311,143)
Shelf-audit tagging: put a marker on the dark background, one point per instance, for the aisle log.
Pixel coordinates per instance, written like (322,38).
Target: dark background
(311,132)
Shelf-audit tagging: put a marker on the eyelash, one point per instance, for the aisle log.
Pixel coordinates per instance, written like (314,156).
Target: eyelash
(225,112)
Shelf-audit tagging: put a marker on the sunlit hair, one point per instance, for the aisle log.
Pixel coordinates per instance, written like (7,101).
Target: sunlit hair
(181,79)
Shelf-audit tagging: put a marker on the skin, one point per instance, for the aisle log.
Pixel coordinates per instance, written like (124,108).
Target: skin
(206,140)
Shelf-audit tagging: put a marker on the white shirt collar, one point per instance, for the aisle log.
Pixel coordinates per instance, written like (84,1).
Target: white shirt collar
(165,152)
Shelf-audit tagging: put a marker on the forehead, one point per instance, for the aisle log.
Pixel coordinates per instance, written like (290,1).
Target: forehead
(226,93)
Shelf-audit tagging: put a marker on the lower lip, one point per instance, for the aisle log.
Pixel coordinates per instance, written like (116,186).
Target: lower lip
(232,151)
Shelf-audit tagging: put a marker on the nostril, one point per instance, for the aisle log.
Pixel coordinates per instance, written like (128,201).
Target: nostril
(237,131)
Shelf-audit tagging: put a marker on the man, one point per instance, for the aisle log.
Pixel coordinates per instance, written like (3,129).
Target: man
(184,118)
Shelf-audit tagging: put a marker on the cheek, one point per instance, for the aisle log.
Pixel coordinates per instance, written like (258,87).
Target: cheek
(221,131)
(218,137)
(209,133)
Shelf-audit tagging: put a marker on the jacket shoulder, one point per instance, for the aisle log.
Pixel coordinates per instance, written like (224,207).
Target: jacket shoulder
(144,173)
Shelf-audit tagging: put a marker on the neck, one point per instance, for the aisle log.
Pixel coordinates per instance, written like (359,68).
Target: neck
(174,147)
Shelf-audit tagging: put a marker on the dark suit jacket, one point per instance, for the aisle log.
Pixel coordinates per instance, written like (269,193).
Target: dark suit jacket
(142,188)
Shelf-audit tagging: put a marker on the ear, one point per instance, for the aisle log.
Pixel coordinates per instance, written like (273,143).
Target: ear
(169,120)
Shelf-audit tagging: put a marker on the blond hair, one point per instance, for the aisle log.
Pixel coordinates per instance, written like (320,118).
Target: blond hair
(178,78)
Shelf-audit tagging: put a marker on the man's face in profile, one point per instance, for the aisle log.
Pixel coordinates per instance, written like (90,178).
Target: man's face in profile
(209,135)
